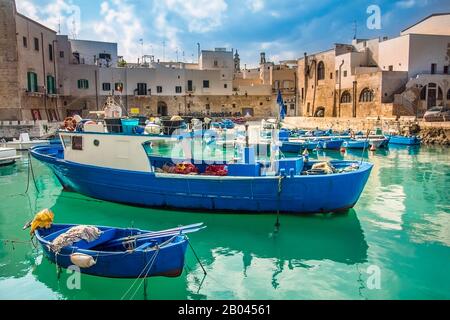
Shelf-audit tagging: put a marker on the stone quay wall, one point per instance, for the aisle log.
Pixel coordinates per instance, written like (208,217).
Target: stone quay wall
(12,129)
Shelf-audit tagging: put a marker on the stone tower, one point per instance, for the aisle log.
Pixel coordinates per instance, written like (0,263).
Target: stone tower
(237,62)
(263,58)
(9,63)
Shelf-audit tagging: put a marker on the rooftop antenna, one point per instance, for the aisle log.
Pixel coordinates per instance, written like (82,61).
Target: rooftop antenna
(355,29)
(142,48)
(198,53)
(74,29)
(59,25)
(184,60)
(177,54)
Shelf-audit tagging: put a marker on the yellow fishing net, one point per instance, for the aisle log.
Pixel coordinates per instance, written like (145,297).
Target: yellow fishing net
(42,219)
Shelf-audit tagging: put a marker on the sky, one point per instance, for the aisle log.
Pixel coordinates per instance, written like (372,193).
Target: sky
(283,29)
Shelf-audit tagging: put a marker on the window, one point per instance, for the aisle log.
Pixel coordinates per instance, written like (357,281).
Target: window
(345,73)
(50,52)
(391,68)
(292,106)
(105,56)
(51,85)
(25,42)
(225,86)
(448,95)
(433,68)
(445,69)
(346,97)
(159,89)
(337,74)
(32,82)
(36,44)
(208,107)
(205,83)
(216,63)
(36,114)
(189,86)
(83,84)
(61,54)
(178,89)
(277,84)
(366,95)
(106,86)
(331,75)
(321,71)
(142,89)
(423,93)
(118,86)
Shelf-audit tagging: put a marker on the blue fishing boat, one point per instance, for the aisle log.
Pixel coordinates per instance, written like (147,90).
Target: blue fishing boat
(118,253)
(331,144)
(298,146)
(356,144)
(409,141)
(124,168)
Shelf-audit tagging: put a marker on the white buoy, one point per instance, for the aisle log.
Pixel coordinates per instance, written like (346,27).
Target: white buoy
(82,260)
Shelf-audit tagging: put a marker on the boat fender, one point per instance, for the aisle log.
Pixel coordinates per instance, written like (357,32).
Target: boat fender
(82,260)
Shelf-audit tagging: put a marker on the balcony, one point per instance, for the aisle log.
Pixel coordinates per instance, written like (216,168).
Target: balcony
(190,90)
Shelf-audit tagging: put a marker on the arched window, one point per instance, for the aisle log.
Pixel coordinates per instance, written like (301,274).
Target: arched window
(321,71)
(423,93)
(366,95)
(346,97)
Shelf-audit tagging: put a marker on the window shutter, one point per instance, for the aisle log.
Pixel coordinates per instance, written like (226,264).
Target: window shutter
(29,81)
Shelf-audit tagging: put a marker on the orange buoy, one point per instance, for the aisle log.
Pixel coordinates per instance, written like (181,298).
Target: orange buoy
(343,149)
(372,148)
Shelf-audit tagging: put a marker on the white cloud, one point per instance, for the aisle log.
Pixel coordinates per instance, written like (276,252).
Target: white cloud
(200,15)
(27,8)
(255,5)
(120,24)
(59,14)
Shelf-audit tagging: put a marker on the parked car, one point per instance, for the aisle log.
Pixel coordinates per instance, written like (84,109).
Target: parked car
(438,113)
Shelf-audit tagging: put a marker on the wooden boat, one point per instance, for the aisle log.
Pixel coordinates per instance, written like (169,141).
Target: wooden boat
(8,156)
(24,142)
(122,168)
(408,140)
(356,144)
(121,253)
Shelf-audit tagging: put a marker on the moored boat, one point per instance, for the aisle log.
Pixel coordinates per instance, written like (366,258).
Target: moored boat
(404,140)
(8,156)
(356,144)
(122,168)
(116,252)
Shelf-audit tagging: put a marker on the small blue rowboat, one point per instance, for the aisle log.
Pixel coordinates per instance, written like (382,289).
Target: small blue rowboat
(356,144)
(297,146)
(333,144)
(121,253)
(408,141)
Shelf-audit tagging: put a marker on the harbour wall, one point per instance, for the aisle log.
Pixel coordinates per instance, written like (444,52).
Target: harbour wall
(36,129)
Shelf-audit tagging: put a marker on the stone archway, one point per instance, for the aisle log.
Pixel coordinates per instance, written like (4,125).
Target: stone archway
(162,109)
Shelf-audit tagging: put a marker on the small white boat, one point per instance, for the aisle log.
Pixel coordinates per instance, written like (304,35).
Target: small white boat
(8,156)
(24,142)
(377,143)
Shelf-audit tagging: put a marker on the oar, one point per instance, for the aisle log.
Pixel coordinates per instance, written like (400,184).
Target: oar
(150,237)
(156,233)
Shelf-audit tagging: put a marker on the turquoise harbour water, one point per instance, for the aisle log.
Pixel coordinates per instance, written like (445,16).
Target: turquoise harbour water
(400,227)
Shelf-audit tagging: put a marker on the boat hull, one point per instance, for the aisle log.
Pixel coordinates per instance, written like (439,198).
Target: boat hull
(299,194)
(167,261)
(407,141)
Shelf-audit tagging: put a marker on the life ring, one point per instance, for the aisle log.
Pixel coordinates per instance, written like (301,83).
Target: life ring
(70,124)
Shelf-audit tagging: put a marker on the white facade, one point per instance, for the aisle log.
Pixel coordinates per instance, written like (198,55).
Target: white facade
(437,24)
(94,52)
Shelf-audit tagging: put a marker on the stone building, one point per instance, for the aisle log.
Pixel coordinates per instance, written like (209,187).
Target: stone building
(405,75)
